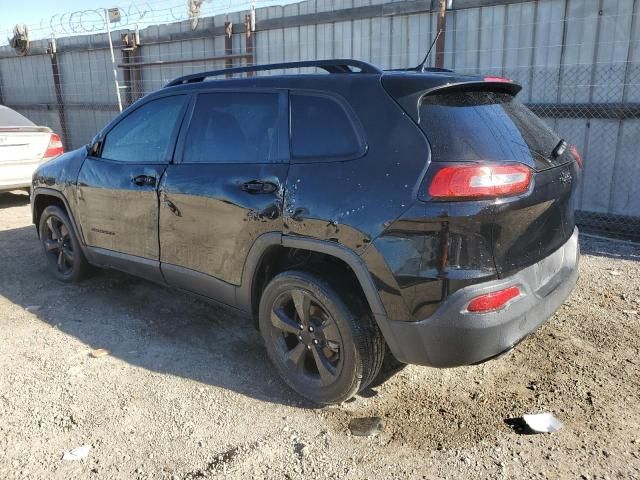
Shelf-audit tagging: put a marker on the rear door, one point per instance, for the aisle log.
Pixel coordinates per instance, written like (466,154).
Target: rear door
(479,125)
(117,186)
(224,190)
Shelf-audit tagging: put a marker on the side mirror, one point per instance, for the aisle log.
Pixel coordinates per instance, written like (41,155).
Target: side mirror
(93,148)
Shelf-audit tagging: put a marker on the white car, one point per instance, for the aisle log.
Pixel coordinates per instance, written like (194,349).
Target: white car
(23,146)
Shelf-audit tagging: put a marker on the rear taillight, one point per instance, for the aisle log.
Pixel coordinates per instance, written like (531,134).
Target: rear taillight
(55,147)
(574,151)
(493,301)
(480,181)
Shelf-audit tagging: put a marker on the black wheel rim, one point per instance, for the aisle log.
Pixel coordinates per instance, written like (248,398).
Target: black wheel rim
(58,245)
(306,338)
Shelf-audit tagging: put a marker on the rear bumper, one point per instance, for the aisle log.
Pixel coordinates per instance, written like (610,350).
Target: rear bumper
(453,337)
(14,186)
(17,174)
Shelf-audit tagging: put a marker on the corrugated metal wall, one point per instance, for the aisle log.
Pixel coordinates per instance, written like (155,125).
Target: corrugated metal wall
(578,62)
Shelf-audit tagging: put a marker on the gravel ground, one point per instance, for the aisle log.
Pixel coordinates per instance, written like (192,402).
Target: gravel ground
(187,391)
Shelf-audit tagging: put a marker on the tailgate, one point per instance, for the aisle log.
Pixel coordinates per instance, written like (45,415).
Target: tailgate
(529,229)
(479,124)
(20,145)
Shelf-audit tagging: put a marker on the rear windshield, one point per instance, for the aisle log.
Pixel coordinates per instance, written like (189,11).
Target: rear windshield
(481,125)
(11,118)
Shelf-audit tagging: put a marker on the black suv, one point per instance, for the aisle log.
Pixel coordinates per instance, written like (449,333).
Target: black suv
(365,219)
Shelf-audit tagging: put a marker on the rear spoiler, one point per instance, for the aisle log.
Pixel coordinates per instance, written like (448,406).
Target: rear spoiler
(29,128)
(408,90)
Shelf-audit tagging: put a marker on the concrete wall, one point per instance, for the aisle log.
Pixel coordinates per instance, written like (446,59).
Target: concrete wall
(578,62)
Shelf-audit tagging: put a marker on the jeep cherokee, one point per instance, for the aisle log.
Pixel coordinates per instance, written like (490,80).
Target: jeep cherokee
(365,219)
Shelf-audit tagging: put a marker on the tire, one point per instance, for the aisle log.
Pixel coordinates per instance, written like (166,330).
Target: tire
(61,246)
(328,352)
(390,366)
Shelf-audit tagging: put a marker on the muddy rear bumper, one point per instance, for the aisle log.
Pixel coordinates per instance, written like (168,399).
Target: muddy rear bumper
(454,337)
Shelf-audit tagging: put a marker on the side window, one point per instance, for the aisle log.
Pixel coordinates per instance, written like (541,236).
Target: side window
(321,128)
(144,136)
(237,128)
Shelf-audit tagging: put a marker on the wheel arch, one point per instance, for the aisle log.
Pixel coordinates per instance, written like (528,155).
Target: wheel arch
(274,244)
(44,197)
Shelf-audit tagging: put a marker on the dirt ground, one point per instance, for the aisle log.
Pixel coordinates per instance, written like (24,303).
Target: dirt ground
(187,391)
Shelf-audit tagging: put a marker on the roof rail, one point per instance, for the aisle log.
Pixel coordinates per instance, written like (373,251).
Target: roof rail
(414,69)
(331,66)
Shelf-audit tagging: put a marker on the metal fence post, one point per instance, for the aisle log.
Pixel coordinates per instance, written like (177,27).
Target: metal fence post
(248,35)
(113,58)
(1,99)
(138,88)
(442,25)
(55,70)
(228,45)
(126,51)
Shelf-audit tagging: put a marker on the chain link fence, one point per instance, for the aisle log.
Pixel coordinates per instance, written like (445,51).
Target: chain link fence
(595,107)
(577,60)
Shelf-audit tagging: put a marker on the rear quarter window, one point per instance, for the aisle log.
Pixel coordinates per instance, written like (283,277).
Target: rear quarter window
(321,129)
(484,125)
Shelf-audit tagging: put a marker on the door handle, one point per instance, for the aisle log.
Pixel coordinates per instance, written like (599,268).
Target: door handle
(258,186)
(144,181)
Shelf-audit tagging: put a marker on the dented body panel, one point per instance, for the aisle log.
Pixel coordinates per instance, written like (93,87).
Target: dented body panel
(208,223)
(373,190)
(60,175)
(115,213)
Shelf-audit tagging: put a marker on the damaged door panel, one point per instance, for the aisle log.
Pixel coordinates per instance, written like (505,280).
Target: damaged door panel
(117,184)
(225,188)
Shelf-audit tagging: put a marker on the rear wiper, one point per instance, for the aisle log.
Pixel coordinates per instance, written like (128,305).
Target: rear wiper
(559,149)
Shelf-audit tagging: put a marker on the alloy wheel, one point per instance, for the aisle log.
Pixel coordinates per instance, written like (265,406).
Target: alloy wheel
(307,338)
(58,245)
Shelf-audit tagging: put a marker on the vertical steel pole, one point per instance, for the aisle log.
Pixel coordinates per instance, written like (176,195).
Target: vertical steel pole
(442,26)
(228,45)
(57,84)
(113,59)
(248,34)
(128,83)
(137,70)
(1,99)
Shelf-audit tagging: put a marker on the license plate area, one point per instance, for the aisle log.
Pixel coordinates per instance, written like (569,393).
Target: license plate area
(549,267)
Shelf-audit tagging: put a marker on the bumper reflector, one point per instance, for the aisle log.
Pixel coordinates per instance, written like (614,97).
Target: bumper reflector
(493,301)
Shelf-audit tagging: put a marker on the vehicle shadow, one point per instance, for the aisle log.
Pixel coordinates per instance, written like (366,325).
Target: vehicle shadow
(13,199)
(143,324)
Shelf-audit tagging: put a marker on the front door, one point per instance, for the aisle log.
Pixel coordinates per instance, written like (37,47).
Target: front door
(224,190)
(117,187)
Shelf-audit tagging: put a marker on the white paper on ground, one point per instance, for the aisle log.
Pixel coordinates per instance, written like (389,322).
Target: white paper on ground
(78,453)
(542,422)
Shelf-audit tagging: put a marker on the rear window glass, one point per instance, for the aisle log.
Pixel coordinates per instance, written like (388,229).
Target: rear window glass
(11,118)
(481,125)
(321,128)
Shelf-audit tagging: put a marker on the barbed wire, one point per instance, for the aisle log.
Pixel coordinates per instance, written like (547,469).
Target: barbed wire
(91,21)
(153,12)
(141,14)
